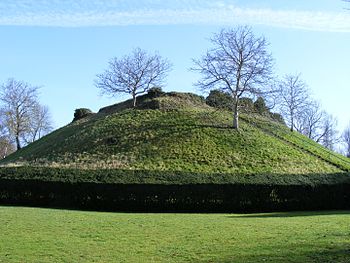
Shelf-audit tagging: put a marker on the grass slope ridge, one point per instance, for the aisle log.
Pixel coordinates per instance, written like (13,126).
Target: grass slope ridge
(177,133)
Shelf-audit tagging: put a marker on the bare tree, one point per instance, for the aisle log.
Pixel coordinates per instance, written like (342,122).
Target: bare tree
(134,74)
(346,140)
(310,121)
(17,98)
(40,123)
(294,97)
(272,95)
(6,146)
(21,113)
(329,137)
(238,64)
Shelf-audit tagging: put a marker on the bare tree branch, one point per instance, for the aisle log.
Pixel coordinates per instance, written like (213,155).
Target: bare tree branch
(134,74)
(310,121)
(294,97)
(6,145)
(40,123)
(329,135)
(238,64)
(19,111)
(346,140)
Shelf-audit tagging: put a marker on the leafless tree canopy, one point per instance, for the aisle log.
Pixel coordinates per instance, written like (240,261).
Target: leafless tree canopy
(310,121)
(19,111)
(40,123)
(239,63)
(133,74)
(346,140)
(18,98)
(330,134)
(6,146)
(294,97)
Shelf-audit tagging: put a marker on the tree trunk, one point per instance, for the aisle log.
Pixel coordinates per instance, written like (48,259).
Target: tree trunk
(291,119)
(235,113)
(18,143)
(134,100)
(5,152)
(235,120)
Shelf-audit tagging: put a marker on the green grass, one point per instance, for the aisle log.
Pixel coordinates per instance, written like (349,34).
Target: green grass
(181,136)
(300,141)
(193,141)
(46,235)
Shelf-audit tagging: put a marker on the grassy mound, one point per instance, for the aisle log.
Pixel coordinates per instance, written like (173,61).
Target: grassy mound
(177,133)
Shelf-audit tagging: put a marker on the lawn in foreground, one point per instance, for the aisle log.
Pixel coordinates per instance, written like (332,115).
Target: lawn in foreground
(48,235)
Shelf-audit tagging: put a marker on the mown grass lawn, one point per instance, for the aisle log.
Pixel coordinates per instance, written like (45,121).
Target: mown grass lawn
(48,235)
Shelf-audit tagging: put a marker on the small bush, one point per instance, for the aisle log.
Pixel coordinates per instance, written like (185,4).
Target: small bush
(246,105)
(155,92)
(260,106)
(223,100)
(219,99)
(81,113)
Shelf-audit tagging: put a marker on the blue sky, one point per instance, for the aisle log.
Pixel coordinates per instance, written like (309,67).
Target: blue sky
(61,45)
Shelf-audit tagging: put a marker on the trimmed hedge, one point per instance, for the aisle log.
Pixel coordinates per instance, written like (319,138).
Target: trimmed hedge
(174,198)
(157,191)
(119,176)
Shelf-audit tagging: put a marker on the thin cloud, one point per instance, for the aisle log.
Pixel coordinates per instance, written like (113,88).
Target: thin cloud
(155,12)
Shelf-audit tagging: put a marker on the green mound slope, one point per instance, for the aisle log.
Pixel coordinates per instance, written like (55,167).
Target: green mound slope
(179,133)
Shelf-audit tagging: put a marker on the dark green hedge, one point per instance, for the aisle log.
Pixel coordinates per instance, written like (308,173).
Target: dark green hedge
(157,191)
(174,198)
(118,176)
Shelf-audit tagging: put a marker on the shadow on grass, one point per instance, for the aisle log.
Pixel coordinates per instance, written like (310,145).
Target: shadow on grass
(298,253)
(294,214)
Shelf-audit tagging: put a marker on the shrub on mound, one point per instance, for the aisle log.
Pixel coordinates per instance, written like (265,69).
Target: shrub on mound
(260,107)
(223,100)
(219,99)
(247,105)
(155,92)
(81,113)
